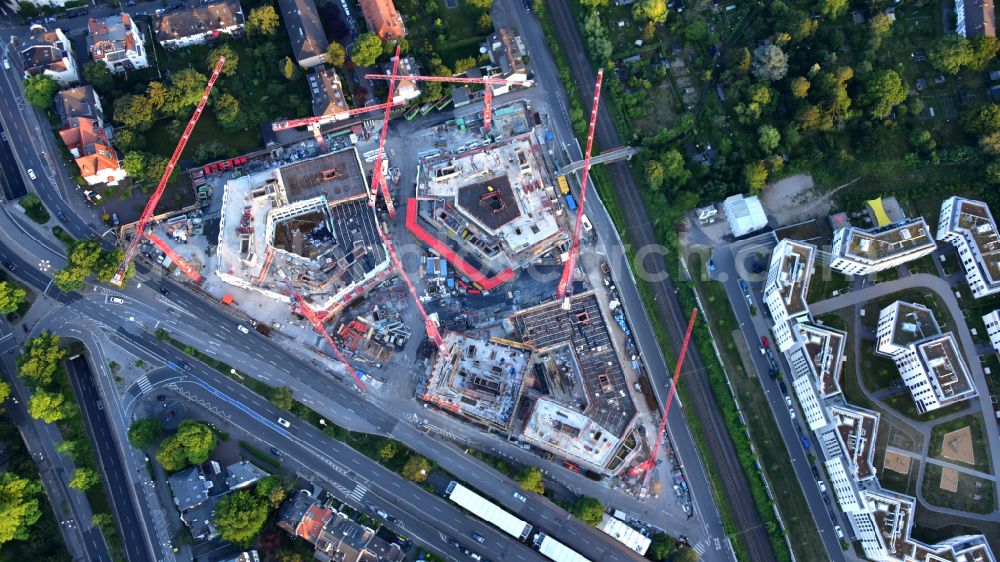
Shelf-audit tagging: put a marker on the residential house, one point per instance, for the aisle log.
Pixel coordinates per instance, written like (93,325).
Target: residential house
(506,51)
(343,540)
(49,53)
(88,142)
(80,101)
(197,491)
(327,95)
(199,25)
(859,251)
(974,18)
(305,31)
(116,41)
(969,226)
(406,90)
(787,287)
(383,19)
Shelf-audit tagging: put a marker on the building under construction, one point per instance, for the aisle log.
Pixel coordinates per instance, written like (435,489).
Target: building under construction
(309,222)
(583,410)
(489,210)
(478,379)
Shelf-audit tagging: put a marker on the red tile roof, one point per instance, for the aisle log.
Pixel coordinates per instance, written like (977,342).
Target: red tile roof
(313,521)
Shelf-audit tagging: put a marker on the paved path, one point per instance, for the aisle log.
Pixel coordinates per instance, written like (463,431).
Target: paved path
(944,292)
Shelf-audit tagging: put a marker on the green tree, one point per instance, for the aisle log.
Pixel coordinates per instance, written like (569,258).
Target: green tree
(755,176)
(530,479)
(686,554)
(769,62)
(768,137)
(68,447)
(184,91)
(227,111)
(162,334)
(388,451)
(41,360)
(367,48)
(984,50)
(263,21)
(135,112)
(84,479)
(983,119)
(589,510)
(483,5)
(990,144)
(416,469)
(19,507)
(127,140)
(211,150)
(674,171)
(98,75)
(283,398)
(595,4)
(950,53)
(993,173)
(461,65)
(4,391)
(289,69)
(229,67)
(335,54)
(40,90)
(11,296)
(661,546)
(192,444)
(49,407)
(272,490)
(656,174)
(69,280)
(654,11)
(883,92)
(135,164)
(157,93)
(800,86)
(597,36)
(240,517)
(485,22)
(833,8)
(144,433)
(879,27)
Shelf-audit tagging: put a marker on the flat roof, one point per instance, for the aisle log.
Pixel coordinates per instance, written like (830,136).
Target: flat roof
(856,430)
(791,263)
(584,329)
(825,349)
(487,510)
(946,368)
(878,244)
(626,535)
(336,176)
(975,218)
(893,519)
(914,322)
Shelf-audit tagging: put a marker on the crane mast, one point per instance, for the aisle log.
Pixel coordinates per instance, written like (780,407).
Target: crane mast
(378,178)
(574,250)
(651,462)
(140,230)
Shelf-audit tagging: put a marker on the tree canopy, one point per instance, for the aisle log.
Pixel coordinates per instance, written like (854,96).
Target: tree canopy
(272,490)
(530,479)
(84,479)
(661,546)
(335,54)
(49,407)
(589,510)
(11,296)
(263,21)
(19,507)
(98,75)
(143,433)
(654,11)
(367,49)
(134,111)
(240,517)
(229,67)
(883,92)
(41,360)
(192,444)
(40,90)
(769,62)
(416,469)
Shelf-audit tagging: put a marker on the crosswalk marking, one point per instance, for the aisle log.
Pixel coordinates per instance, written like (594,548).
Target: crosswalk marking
(700,548)
(144,384)
(359,493)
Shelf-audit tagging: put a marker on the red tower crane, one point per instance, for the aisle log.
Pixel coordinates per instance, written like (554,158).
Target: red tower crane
(314,123)
(487,96)
(317,324)
(378,178)
(574,249)
(147,213)
(651,462)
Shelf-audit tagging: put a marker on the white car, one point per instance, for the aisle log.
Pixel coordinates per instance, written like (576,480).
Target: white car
(791,412)
(243,329)
(116,300)
(788,400)
(6,64)
(284,423)
(519,497)
(31,174)
(840,533)
(822,486)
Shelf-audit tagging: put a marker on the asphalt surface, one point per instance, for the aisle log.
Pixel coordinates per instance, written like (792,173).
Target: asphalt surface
(108,458)
(12,181)
(723,458)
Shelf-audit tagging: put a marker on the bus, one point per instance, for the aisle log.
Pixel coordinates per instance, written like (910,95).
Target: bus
(443,103)
(555,550)
(427,107)
(563,185)
(409,115)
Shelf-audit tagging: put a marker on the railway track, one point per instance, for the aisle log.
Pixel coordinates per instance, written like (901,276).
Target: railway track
(750,529)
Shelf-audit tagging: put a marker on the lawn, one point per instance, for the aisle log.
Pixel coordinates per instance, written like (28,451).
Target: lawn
(903,403)
(877,370)
(974,494)
(979,446)
(458,36)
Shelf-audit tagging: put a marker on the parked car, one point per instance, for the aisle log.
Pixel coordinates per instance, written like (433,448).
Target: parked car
(791,412)
(764,341)
(6,64)
(788,400)
(822,486)
(477,537)
(783,387)
(711,265)
(839,531)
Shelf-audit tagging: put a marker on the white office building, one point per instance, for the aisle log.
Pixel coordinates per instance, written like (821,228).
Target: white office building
(969,226)
(858,251)
(744,214)
(804,385)
(929,361)
(992,322)
(787,288)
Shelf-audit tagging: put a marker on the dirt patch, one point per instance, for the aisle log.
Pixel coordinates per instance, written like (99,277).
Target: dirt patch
(949,480)
(896,462)
(958,446)
(796,198)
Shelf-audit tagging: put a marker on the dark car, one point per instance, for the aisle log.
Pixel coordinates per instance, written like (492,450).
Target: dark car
(393,520)
(184,365)
(61,216)
(455,544)
(9,265)
(783,387)
(164,291)
(275,452)
(815,472)
(477,537)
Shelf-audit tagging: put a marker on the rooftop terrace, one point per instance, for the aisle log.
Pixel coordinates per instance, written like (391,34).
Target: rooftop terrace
(976,219)
(914,322)
(856,430)
(883,243)
(946,367)
(893,519)
(825,349)
(794,270)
